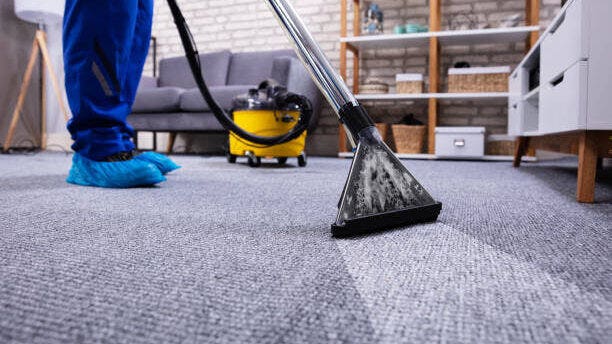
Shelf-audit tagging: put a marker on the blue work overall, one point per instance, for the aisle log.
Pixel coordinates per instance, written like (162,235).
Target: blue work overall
(105,47)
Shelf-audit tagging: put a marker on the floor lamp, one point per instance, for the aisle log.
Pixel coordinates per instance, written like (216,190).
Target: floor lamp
(41,12)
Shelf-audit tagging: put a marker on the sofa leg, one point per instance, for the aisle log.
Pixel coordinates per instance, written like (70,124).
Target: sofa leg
(171,139)
(155,141)
(135,139)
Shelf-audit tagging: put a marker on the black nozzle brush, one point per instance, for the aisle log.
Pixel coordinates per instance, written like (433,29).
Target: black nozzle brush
(380,193)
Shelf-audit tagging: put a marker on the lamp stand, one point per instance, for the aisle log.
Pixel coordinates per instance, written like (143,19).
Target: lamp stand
(39,47)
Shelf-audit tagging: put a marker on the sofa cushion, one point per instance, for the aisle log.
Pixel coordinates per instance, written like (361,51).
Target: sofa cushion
(251,68)
(175,71)
(147,82)
(161,99)
(192,100)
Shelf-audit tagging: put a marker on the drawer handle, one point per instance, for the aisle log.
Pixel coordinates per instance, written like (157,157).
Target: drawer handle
(557,80)
(515,106)
(459,143)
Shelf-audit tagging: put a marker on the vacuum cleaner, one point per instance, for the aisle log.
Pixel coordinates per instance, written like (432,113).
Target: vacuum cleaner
(266,111)
(380,193)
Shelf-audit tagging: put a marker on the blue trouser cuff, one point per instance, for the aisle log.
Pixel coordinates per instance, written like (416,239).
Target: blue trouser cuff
(99,143)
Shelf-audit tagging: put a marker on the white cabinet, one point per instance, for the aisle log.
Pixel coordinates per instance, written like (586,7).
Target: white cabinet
(565,82)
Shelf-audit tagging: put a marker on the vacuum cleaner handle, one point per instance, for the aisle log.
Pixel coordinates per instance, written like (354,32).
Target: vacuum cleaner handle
(350,113)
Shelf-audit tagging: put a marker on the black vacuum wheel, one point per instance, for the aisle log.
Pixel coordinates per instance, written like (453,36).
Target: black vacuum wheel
(231,158)
(302,160)
(254,161)
(282,160)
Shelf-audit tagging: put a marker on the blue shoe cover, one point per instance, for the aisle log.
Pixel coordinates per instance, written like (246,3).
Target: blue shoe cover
(163,163)
(120,174)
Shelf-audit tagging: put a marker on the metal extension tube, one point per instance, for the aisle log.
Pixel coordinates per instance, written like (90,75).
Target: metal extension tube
(332,85)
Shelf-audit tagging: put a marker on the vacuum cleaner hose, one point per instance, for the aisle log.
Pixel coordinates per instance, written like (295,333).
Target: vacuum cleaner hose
(226,121)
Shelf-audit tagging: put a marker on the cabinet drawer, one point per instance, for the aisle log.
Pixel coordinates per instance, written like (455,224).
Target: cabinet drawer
(566,43)
(466,142)
(563,101)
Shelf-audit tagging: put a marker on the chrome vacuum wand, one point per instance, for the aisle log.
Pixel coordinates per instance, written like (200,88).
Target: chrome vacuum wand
(380,193)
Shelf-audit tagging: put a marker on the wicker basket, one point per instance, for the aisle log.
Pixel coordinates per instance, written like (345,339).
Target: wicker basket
(374,88)
(383,129)
(408,139)
(500,145)
(409,83)
(480,79)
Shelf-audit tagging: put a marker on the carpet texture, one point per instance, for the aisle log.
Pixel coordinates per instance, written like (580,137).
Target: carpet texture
(225,253)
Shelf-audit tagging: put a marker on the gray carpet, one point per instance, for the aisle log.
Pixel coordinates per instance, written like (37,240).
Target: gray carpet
(228,254)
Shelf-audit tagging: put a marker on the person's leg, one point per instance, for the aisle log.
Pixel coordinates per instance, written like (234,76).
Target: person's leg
(98,39)
(138,56)
(97,46)
(140,43)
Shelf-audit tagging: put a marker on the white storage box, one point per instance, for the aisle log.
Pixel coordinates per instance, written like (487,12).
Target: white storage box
(460,142)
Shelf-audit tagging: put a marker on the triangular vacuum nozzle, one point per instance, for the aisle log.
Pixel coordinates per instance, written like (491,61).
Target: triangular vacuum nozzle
(380,193)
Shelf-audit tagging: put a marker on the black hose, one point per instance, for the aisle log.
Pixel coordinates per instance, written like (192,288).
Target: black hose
(191,52)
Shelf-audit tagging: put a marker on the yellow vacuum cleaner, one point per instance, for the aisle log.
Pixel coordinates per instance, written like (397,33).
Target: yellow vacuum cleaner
(265,111)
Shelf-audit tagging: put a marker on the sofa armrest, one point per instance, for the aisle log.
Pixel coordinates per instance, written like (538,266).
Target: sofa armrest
(298,80)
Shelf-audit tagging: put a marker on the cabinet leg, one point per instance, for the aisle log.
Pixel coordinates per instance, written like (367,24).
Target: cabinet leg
(587,167)
(521,144)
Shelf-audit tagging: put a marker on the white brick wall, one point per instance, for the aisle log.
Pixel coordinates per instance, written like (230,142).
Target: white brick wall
(248,25)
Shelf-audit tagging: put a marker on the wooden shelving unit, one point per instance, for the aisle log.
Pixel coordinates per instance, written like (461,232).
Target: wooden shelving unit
(434,39)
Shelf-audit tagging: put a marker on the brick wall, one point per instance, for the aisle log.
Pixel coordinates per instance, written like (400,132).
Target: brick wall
(247,25)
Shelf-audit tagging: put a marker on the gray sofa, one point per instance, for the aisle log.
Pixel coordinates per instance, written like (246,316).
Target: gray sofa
(172,103)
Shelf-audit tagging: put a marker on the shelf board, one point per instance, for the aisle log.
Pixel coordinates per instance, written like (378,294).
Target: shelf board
(453,37)
(419,96)
(389,41)
(486,36)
